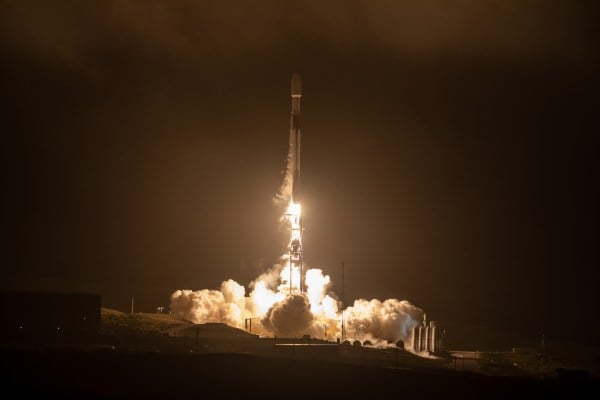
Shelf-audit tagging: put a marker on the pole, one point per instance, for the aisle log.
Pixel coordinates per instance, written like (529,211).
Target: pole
(343,327)
(248,324)
(132,304)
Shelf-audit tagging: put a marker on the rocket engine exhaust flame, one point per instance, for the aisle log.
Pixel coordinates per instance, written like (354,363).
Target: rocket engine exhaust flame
(290,301)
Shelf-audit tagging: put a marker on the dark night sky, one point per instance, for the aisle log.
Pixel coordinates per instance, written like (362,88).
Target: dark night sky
(449,151)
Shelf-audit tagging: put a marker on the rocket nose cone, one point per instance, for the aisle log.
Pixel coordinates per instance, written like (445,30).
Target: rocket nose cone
(296,85)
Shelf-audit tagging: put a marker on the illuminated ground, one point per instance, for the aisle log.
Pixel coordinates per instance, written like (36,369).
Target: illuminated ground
(117,321)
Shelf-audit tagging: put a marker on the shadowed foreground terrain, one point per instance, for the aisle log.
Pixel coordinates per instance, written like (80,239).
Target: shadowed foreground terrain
(107,374)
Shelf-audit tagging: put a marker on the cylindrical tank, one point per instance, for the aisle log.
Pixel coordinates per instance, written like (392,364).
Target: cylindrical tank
(414,338)
(432,348)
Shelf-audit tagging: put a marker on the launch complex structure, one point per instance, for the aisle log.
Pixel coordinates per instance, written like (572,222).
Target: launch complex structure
(294,210)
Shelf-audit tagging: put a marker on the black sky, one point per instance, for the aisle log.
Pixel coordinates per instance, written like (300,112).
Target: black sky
(449,151)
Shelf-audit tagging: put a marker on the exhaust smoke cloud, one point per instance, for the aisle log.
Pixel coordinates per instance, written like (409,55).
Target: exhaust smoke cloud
(290,317)
(315,312)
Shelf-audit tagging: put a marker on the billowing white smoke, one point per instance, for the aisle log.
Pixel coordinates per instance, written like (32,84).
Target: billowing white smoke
(227,305)
(315,312)
(391,320)
(290,317)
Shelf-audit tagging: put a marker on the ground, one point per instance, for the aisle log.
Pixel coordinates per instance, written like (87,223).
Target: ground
(106,374)
(144,323)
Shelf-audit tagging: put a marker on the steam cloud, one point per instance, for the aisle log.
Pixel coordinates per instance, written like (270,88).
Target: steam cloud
(290,317)
(314,312)
(391,320)
(226,305)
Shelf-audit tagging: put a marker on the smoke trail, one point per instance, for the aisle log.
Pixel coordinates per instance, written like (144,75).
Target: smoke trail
(284,194)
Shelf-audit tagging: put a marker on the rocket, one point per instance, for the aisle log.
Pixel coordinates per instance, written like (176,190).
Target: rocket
(295,135)
(296,258)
